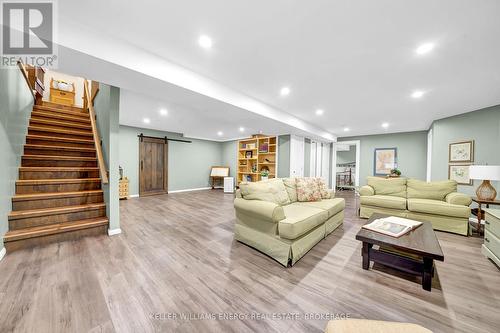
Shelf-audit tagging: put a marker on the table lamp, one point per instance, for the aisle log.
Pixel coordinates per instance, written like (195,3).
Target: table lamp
(486,173)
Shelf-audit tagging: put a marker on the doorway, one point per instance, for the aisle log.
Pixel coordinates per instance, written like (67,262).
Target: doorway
(346,159)
(153,166)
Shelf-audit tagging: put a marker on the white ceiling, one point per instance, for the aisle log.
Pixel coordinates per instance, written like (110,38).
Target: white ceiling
(354,59)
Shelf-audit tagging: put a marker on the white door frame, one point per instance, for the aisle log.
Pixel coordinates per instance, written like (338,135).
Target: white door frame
(356,143)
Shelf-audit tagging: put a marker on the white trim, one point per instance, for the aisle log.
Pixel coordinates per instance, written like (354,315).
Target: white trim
(191,189)
(429,155)
(133,196)
(112,232)
(2,253)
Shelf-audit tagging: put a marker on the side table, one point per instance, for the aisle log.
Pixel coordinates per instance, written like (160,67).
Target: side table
(479,213)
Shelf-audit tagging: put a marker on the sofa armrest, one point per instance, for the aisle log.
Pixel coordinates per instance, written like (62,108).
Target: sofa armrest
(456,198)
(366,190)
(265,210)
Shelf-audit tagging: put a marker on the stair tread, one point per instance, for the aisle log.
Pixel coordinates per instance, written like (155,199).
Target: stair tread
(59,130)
(18,214)
(73,116)
(60,123)
(56,181)
(29,145)
(54,228)
(25,168)
(51,108)
(23,197)
(53,138)
(55,157)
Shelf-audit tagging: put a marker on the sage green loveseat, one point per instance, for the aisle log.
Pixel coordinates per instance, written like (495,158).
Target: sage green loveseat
(436,202)
(270,219)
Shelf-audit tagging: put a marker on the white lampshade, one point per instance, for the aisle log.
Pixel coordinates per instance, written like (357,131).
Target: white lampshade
(484,172)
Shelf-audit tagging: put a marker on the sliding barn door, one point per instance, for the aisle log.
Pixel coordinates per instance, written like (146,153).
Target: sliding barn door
(152,166)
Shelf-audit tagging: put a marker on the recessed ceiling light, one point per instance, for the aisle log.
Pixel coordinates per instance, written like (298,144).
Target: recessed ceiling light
(242,129)
(319,112)
(417,93)
(285,91)
(424,48)
(346,129)
(385,125)
(219,133)
(146,120)
(164,112)
(205,41)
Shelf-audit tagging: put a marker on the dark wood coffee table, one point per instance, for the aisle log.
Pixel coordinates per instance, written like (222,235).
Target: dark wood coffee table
(413,253)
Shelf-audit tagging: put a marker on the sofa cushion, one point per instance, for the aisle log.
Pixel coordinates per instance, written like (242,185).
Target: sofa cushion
(388,186)
(291,188)
(332,206)
(386,201)
(299,219)
(272,190)
(308,189)
(419,189)
(456,198)
(323,189)
(437,207)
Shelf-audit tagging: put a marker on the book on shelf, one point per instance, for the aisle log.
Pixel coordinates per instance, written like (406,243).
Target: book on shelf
(392,226)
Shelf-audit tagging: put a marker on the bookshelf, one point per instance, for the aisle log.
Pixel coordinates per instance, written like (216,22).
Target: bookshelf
(255,154)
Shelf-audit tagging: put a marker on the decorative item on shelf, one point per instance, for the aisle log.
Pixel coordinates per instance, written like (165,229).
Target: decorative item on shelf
(243,146)
(264,148)
(249,178)
(264,173)
(459,173)
(385,159)
(268,160)
(461,152)
(121,172)
(486,173)
(249,154)
(254,168)
(395,173)
(250,146)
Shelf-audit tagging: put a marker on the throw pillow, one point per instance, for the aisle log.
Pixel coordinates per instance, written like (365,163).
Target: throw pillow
(291,188)
(271,190)
(308,189)
(323,189)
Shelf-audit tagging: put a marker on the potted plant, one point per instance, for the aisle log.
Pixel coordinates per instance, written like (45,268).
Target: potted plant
(264,174)
(395,173)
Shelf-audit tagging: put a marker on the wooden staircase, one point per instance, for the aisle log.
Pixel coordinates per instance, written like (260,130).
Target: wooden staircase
(58,194)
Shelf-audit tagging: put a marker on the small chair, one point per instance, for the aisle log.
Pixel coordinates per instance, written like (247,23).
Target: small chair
(218,173)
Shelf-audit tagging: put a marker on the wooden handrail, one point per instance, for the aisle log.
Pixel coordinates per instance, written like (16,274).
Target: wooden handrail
(97,141)
(26,77)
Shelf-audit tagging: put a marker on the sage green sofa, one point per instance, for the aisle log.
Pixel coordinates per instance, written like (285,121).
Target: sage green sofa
(270,219)
(436,202)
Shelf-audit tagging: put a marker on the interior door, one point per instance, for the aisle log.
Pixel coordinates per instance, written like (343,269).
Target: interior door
(153,166)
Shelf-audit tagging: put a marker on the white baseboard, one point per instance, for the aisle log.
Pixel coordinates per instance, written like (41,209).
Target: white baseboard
(133,196)
(112,232)
(191,189)
(2,253)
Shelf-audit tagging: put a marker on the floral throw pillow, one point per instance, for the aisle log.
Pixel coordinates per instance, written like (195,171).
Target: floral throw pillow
(323,189)
(308,189)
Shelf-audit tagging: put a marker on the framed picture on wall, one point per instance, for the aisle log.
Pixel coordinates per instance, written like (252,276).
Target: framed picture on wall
(459,173)
(384,160)
(461,152)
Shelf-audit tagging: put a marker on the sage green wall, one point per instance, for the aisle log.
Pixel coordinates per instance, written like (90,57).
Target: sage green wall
(347,156)
(412,152)
(307,157)
(107,108)
(482,126)
(188,163)
(16,103)
(283,156)
(229,156)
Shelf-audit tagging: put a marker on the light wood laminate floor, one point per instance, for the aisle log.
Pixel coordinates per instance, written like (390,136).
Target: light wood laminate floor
(176,256)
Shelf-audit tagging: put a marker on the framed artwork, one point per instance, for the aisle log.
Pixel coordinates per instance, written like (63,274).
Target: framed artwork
(459,173)
(249,154)
(461,152)
(384,160)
